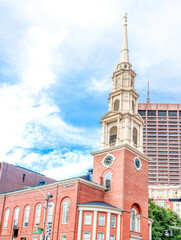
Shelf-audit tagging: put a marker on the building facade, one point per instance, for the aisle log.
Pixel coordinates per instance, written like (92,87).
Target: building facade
(114,206)
(167,196)
(162,142)
(15,177)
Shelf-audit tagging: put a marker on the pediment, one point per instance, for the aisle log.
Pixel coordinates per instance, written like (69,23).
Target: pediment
(111,114)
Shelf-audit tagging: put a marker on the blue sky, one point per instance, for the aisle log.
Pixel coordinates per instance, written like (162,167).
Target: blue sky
(56,64)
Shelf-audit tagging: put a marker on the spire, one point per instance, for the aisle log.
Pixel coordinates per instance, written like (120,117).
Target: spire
(125,51)
(148,94)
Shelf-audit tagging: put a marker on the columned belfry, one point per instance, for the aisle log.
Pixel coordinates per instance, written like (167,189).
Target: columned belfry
(122,124)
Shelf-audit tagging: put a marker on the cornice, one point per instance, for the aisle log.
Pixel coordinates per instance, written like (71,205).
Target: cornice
(64,184)
(121,147)
(100,208)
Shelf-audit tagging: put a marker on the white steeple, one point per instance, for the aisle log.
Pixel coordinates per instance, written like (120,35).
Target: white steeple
(125,51)
(122,124)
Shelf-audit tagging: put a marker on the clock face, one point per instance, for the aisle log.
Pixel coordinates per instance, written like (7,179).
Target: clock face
(137,163)
(108,160)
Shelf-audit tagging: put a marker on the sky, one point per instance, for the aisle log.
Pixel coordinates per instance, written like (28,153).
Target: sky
(56,64)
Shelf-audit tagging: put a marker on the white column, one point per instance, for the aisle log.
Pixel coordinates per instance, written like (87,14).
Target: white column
(108,226)
(94,226)
(118,131)
(79,226)
(150,230)
(118,226)
(131,132)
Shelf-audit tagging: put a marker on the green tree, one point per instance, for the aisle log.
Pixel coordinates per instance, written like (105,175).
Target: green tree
(163,219)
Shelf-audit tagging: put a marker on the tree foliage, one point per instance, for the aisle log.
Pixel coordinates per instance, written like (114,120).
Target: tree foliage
(163,219)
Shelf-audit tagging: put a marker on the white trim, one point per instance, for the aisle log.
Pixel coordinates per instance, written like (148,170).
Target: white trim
(121,147)
(101,208)
(108,226)
(79,226)
(118,227)
(94,226)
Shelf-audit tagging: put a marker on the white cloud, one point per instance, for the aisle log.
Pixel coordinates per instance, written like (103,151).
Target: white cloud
(42,41)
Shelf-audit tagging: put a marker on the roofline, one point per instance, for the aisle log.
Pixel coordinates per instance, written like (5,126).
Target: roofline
(94,207)
(55,184)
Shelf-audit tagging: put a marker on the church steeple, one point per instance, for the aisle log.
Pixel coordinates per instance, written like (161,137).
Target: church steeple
(125,51)
(122,124)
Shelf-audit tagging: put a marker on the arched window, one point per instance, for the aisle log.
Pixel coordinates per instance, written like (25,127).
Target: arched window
(131,82)
(107,180)
(134,221)
(133,108)
(16,215)
(65,211)
(37,215)
(26,216)
(135,136)
(113,136)
(50,213)
(6,217)
(116,105)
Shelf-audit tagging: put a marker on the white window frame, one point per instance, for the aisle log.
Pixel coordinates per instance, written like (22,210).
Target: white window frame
(35,238)
(38,215)
(101,222)
(26,216)
(50,213)
(6,217)
(16,216)
(108,177)
(86,236)
(65,215)
(112,237)
(63,237)
(88,219)
(113,221)
(100,236)
(161,203)
(134,221)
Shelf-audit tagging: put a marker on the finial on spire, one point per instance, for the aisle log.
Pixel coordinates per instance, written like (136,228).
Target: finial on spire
(125,51)
(148,94)
(125,18)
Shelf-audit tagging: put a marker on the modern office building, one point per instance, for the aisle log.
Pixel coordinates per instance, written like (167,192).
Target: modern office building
(162,141)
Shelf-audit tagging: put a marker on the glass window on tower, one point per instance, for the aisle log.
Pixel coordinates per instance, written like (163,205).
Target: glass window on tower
(142,112)
(162,113)
(172,113)
(113,136)
(135,136)
(151,112)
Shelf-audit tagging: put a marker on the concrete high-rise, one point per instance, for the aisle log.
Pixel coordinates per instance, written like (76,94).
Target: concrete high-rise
(162,141)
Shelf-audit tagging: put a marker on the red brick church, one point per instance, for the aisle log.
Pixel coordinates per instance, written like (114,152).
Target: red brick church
(113,205)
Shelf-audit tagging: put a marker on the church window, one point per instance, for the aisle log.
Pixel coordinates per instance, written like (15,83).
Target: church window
(101,221)
(16,215)
(134,221)
(100,236)
(63,237)
(107,181)
(112,237)
(135,136)
(86,236)
(113,136)
(50,213)
(113,221)
(6,218)
(65,211)
(116,105)
(26,216)
(38,214)
(88,219)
